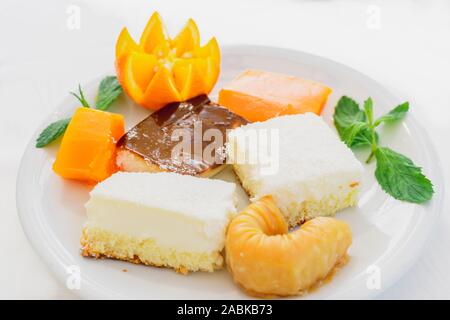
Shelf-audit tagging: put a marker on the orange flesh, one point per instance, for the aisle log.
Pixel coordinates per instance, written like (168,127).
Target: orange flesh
(87,151)
(161,90)
(154,37)
(134,72)
(259,95)
(125,43)
(188,39)
(266,259)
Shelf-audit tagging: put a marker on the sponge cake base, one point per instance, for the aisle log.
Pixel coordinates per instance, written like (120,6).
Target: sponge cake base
(100,243)
(298,212)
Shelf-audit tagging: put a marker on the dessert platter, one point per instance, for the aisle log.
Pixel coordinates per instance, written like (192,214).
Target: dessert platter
(201,171)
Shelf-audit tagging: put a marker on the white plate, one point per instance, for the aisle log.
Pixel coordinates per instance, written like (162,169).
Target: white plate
(387,234)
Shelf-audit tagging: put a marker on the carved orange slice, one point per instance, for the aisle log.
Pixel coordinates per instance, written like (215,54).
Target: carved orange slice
(160,70)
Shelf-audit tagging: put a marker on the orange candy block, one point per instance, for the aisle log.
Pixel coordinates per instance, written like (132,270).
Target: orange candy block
(159,70)
(87,151)
(260,95)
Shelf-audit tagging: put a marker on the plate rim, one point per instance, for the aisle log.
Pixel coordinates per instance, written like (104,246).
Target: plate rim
(92,290)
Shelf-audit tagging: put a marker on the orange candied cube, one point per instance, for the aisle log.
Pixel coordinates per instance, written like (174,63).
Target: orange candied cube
(87,151)
(261,95)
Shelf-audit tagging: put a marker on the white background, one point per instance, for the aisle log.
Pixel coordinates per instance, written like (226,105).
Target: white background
(404,45)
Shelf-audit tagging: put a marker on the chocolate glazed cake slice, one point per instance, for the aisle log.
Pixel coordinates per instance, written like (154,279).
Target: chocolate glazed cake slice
(179,138)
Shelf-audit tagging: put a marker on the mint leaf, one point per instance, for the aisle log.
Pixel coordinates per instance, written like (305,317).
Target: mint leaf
(399,177)
(108,92)
(80,97)
(52,132)
(395,114)
(364,138)
(346,113)
(350,133)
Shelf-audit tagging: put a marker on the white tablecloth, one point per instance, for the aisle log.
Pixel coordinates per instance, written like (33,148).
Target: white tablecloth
(46,51)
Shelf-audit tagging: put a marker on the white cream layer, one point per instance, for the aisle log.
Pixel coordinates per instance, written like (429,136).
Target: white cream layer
(177,211)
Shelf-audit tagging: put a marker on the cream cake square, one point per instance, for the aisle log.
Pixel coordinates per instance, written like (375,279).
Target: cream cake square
(160,219)
(313,173)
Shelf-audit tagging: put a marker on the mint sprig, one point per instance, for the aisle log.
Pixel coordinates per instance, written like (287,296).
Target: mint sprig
(346,114)
(396,173)
(80,97)
(108,92)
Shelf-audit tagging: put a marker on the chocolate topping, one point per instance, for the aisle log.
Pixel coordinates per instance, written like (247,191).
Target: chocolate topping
(174,136)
